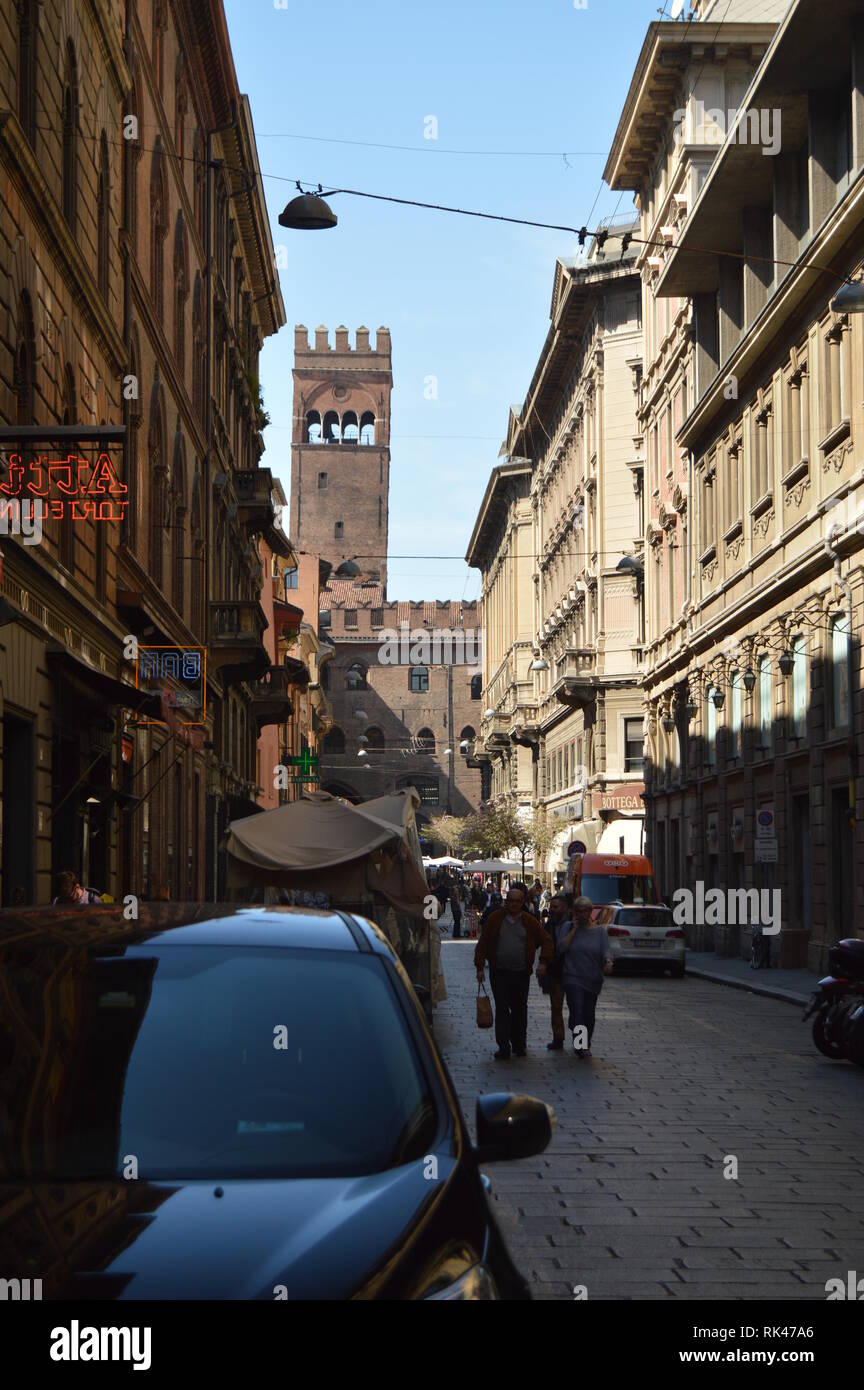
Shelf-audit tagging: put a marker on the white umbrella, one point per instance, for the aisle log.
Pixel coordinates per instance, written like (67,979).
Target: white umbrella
(447,862)
(494,866)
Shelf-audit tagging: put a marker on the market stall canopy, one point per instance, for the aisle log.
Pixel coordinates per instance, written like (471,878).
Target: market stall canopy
(319,830)
(494,866)
(447,862)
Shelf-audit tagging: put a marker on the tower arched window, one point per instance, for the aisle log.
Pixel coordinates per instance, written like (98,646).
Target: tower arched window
(468,734)
(332,434)
(374,740)
(28,29)
(70,137)
(350,428)
(355,677)
(334,741)
(367,427)
(313,427)
(103,219)
(426,741)
(476,687)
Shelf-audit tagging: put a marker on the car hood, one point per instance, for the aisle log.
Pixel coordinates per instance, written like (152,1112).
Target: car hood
(295,1239)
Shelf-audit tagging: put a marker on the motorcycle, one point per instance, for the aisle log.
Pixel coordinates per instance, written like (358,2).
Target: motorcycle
(838,1004)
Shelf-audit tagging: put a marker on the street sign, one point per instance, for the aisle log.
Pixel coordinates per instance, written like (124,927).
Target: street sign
(766,851)
(766,827)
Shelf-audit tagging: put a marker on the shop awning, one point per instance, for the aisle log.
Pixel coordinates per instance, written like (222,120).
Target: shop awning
(98,686)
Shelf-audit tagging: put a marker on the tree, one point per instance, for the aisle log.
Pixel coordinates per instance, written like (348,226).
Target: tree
(498,829)
(447,831)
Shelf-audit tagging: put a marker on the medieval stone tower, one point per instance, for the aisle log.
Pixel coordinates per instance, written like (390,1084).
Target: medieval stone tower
(340,452)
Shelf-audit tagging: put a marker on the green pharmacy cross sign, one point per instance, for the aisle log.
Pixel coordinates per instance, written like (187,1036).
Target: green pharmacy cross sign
(308,767)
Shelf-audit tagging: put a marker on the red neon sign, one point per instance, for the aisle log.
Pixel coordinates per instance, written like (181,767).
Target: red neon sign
(68,487)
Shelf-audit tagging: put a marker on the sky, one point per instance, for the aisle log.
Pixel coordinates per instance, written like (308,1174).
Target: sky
(537,89)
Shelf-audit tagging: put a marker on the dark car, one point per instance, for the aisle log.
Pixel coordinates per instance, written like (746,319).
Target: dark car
(220,1102)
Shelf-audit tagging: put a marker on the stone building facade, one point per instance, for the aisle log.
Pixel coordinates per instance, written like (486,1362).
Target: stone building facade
(138,287)
(753,704)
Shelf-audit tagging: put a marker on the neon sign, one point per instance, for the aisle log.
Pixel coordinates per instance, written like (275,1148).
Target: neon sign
(178,674)
(67,487)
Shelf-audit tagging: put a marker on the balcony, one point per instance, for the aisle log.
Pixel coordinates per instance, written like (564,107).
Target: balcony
(271,699)
(576,678)
(254,488)
(237,648)
(525,727)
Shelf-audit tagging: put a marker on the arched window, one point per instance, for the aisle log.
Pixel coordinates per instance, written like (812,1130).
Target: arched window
(28,29)
(132,108)
(476,687)
(25,363)
(103,219)
(468,734)
(178,529)
(198,401)
(66,533)
(374,740)
(331,428)
(130,516)
(350,428)
(70,136)
(313,427)
(355,677)
(158,490)
(418,679)
(426,741)
(181,292)
(367,427)
(198,159)
(158,229)
(156,43)
(334,742)
(181,104)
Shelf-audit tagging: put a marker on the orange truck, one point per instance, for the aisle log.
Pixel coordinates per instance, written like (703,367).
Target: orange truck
(610,878)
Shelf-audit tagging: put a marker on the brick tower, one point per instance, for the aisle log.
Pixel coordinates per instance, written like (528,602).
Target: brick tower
(340,451)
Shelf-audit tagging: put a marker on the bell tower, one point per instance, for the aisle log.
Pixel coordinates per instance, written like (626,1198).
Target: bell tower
(340,450)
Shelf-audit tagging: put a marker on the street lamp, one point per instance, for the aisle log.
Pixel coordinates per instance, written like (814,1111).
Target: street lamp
(718,698)
(749,679)
(489,712)
(307,213)
(691,709)
(539,664)
(849,299)
(669,723)
(786,663)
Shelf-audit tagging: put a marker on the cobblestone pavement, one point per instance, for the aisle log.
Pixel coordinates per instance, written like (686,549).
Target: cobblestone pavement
(630,1198)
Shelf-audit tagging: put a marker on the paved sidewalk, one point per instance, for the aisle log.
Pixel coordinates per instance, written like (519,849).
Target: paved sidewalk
(635,1197)
(793,986)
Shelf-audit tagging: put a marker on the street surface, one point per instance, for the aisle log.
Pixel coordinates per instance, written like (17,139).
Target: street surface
(630,1198)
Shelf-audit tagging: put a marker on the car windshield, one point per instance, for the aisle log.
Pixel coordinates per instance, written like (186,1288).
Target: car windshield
(625,888)
(198,1062)
(642,917)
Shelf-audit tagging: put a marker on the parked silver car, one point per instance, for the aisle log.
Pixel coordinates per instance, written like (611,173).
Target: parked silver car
(647,935)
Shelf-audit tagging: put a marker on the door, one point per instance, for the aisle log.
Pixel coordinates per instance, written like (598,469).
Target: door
(18,812)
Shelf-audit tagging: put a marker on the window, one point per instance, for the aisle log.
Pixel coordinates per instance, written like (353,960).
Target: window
(339,531)
(313,428)
(798,417)
(367,428)
(334,742)
(350,428)
(733,486)
(159,25)
(799,687)
(322,481)
(476,687)
(468,734)
(25,360)
(840,671)
(324,676)
(178,531)
(103,220)
(374,740)
(418,679)
(28,28)
(291,577)
(735,723)
(766,713)
(426,787)
(835,387)
(426,741)
(355,677)
(761,458)
(377,619)
(350,617)
(711,727)
(181,292)
(70,137)
(158,229)
(331,428)
(633,751)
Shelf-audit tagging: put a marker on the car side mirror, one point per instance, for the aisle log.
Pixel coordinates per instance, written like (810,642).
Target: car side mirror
(511,1126)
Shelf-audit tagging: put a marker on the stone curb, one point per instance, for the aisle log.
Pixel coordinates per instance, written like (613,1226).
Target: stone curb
(786,996)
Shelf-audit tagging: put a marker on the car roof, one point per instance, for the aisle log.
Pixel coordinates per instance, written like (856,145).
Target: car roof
(638,907)
(194,924)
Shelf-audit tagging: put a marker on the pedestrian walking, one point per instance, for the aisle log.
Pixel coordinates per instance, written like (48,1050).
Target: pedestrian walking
(587,958)
(456,909)
(557,925)
(509,940)
(71,894)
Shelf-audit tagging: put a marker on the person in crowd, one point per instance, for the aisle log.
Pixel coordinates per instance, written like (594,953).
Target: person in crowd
(587,959)
(442,892)
(456,909)
(492,901)
(557,924)
(509,940)
(71,894)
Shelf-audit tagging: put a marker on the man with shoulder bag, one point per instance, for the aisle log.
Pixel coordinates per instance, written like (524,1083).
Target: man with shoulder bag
(509,940)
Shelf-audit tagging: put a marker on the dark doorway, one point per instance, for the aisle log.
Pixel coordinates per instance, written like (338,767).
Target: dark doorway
(18,812)
(842,875)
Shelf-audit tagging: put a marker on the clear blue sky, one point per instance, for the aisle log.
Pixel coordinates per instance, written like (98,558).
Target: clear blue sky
(466,301)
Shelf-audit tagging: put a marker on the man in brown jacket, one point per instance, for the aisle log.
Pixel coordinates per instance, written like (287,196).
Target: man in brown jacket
(509,941)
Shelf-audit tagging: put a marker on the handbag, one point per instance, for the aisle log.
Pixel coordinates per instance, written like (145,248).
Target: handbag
(484,1007)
